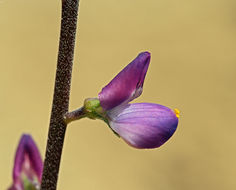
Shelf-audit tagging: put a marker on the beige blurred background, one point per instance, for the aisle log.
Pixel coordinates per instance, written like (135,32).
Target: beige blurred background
(193,68)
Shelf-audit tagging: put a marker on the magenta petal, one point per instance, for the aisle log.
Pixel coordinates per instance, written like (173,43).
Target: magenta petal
(144,125)
(15,187)
(27,151)
(127,85)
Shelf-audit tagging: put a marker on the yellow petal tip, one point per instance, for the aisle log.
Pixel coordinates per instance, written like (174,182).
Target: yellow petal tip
(177,112)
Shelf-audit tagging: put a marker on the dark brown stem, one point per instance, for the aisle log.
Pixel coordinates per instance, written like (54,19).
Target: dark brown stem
(60,103)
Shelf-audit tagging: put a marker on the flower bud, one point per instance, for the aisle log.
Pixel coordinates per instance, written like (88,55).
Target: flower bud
(141,125)
(28,165)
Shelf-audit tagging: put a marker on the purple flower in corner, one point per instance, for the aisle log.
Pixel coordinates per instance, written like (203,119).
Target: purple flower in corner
(141,125)
(28,165)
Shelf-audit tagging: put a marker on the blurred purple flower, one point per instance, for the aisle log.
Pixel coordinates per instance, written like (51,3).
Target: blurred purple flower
(142,125)
(28,165)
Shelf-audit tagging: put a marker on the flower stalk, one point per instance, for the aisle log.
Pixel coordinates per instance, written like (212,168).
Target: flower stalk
(57,128)
(74,115)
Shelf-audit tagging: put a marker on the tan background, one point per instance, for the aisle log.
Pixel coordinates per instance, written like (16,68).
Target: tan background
(193,68)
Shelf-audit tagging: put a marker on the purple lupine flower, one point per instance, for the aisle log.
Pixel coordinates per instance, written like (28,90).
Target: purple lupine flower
(28,165)
(141,125)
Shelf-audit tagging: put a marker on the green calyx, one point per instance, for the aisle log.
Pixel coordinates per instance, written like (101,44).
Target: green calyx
(28,185)
(93,109)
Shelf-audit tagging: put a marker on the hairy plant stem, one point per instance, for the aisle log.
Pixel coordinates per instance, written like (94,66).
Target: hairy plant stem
(60,103)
